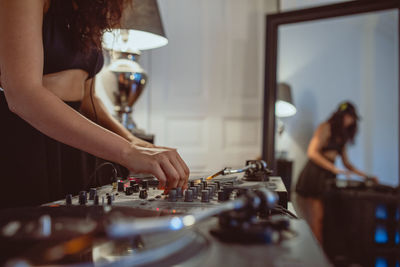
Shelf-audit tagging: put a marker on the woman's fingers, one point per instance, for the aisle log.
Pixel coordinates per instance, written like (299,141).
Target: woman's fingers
(157,171)
(170,172)
(166,165)
(179,168)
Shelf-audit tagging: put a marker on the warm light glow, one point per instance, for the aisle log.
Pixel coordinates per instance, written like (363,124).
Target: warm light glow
(134,40)
(125,65)
(284,109)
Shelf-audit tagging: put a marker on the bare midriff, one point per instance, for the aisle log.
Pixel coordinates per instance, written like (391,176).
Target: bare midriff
(330,155)
(68,85)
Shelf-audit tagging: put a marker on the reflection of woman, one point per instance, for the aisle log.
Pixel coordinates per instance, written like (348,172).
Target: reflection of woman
(50,51)
(329,141)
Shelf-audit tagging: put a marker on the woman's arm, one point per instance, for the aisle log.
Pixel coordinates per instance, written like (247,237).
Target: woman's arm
(104,118)
(320,137)
(21,65)
(350,166)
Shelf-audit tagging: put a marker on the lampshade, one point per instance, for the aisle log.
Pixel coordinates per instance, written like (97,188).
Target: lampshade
(141,28)
(284,106)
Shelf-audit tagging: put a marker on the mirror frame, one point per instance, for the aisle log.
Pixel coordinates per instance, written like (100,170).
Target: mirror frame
(273,21)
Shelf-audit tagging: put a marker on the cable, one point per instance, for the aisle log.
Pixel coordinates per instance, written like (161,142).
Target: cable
(94,174)
(286,211)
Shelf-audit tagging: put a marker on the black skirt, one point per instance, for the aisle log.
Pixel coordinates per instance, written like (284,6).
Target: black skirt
(313,180)
(34,168)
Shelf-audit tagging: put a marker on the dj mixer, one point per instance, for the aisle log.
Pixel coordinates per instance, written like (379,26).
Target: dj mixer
(238,219)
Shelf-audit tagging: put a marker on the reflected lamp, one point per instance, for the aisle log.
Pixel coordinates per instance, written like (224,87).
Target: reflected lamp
(284,106)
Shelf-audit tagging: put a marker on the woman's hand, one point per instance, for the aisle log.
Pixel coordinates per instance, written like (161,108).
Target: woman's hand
(346,173)
(164,163)
(142,143)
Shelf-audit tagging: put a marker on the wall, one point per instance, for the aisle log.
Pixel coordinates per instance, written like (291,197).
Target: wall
(339,59)
(205,88)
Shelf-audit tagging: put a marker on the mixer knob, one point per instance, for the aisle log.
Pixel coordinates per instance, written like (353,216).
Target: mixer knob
(205,196)
(194,189)
(68,199)
(189,196)
(96,200)
(143,194)
(129,191)
(205,184)
(120,186)
(172,195)
(218,184)
(92,193)
(211,191)
(179,193)
(227,191)
(109,200)
(198,190)
(192,184)
(82,198)
(222,196)
(132,182)
(145,184)
(135,188)
(215,187)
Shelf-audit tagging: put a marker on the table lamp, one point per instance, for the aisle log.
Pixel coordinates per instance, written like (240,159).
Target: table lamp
(141,29)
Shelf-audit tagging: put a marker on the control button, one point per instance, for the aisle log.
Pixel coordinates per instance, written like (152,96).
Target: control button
(215,186)
(179,193)
(68,199)
(96,200)
(129,191)
(82,197)
(222,196)
(120,186)
(143,194)
(227,191)
(218,184)
(132,182)
(194,189)
(145,184)
(135,188)
(92,193)
(189,196)
(152,199)
(205,196)
(109,200)
(172,195)
(198,188)
(211,191)
(158,196)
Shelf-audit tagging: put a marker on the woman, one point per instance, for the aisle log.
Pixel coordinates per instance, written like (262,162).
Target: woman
(50,51)
(329,141)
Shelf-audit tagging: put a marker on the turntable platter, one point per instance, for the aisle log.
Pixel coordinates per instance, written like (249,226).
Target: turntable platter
(74,234)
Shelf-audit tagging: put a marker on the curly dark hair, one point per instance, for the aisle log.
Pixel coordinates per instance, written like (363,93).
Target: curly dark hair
(339,134)
(88,19)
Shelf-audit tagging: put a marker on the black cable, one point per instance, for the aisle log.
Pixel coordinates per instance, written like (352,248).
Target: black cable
(94,174)
(288,212)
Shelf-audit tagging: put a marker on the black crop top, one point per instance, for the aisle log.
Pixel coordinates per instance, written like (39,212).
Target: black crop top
(60,53)
(333,145)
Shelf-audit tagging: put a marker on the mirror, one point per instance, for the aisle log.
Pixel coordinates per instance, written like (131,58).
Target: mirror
(328,61)
(327,55)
